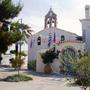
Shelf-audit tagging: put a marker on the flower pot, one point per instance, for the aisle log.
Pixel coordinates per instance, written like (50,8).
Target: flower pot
(47,69)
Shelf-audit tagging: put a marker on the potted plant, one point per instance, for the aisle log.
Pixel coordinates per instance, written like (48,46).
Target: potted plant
(48,58)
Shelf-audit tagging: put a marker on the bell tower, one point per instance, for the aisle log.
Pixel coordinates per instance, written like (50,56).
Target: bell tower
(50,19)
(86,27)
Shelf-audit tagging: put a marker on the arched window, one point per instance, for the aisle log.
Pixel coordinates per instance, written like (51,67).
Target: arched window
(62,37)
(39,40)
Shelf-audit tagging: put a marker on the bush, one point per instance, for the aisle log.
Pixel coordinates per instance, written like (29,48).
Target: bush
(17,62)
(49,55)
(86,82)
(81,67)
(32,65)
(17,78)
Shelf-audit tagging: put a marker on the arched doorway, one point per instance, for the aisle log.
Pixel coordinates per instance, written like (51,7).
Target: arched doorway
(68,54)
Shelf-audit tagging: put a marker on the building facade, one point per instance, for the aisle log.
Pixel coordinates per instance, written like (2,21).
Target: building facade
(49,36)
(52,36)
(86,27)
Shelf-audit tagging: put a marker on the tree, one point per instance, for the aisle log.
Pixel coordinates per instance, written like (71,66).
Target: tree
(18,61)
(8,10)
(81,68)
(7,38)
(48,58)
(66,57)
(21,27)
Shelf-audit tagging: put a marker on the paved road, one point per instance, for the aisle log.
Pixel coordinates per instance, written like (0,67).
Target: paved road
(40,82)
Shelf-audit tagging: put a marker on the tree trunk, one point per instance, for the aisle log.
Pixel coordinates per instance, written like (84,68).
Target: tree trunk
(18,71)
(0,58)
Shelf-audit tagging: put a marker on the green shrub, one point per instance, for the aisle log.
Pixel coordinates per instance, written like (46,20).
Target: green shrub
(32,65)
(17,78)
(49,55)
(86,82)
(17,62)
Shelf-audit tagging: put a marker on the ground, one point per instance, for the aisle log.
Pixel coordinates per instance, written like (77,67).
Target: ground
(39,82)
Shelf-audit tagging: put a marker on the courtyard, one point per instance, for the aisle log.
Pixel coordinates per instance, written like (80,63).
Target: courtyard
(40,81)
(43,55)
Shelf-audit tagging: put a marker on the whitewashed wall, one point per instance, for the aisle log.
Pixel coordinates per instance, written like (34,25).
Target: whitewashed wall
(40,65)
(86,32)
(32,52)
(55,65)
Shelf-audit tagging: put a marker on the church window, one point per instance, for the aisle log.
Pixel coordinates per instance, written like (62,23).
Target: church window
(62,37)
(39,40)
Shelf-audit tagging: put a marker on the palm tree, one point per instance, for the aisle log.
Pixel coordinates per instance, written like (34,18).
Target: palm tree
(27,33)
(23,28)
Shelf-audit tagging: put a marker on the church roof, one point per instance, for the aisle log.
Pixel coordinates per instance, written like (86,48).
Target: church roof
(56,29)
(50,13)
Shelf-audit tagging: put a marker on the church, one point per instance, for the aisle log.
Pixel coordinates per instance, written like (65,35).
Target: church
(52,36)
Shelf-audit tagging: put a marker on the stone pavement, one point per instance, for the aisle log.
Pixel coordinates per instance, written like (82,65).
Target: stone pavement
(39,82)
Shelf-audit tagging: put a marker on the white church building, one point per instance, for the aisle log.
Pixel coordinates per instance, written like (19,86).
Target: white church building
(51,35)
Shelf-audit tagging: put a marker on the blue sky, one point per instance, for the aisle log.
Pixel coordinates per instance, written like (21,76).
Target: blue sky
(68,13)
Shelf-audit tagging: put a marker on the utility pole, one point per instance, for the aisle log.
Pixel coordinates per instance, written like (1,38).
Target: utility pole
(19,43)
(21,32)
